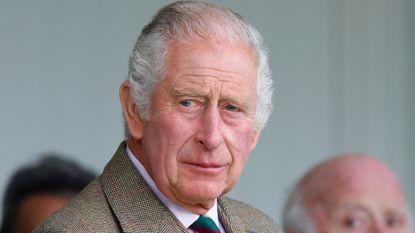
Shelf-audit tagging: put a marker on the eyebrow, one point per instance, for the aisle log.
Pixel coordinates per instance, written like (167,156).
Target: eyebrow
(355,207)
(401,210)
(191,92)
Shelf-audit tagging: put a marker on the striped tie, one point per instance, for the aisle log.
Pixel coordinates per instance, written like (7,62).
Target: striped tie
(204,225)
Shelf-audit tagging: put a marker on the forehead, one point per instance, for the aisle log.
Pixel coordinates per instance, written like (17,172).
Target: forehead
(376,190)
(220,60)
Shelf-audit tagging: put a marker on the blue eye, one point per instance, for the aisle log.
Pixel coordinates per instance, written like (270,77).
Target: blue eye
(351,223)
(395,221)
(231,108)
(186,103)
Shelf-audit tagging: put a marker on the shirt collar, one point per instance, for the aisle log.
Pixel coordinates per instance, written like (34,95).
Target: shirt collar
(183,215)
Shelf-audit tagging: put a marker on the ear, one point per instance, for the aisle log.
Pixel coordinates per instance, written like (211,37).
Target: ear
(131,116)
(254,139)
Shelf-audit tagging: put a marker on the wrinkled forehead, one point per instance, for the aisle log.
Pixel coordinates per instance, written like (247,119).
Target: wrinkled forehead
(354,181)
(214,43)
(222,55)
(377,191)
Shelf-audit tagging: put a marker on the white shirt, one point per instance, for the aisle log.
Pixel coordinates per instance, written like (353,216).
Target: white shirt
(183,215)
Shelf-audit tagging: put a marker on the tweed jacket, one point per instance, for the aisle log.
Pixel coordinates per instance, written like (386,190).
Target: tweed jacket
(119,200)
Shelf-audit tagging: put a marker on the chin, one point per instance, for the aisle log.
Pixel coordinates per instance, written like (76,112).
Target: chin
(203,194)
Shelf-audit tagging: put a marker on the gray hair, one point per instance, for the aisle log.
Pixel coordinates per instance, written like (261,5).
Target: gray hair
(295,216)
(191,21)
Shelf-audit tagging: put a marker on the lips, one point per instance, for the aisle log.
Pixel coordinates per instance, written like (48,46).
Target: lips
(205,168)
(206,165)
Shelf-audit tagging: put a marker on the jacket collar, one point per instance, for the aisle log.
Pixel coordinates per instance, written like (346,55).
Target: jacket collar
(231,221)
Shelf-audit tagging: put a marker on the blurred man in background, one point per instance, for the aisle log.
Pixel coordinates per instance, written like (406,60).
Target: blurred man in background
(349,193)
(37,190)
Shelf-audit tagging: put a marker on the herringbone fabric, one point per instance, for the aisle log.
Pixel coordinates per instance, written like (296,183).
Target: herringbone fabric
(119,200)
(204,224)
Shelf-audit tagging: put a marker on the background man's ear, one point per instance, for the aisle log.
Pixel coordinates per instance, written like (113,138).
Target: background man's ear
(131,116)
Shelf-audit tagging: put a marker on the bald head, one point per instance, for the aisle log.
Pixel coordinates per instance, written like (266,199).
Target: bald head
(353,193)
(352,176)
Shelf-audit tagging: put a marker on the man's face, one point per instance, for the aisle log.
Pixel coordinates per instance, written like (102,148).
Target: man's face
(202,127)
(363,201)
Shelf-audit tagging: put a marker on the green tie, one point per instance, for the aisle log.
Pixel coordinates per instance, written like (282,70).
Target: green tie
(204,224)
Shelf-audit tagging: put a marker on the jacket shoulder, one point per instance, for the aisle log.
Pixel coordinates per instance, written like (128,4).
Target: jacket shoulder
(254,218)
(89,211)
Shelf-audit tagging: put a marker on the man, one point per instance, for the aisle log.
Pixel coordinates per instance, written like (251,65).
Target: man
(35,191)
(198,94)
(350,193)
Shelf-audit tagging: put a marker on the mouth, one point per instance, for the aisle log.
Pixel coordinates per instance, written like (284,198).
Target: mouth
(205,168)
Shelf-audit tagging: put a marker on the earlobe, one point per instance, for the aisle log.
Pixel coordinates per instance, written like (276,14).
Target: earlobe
(255,137)
(131,116)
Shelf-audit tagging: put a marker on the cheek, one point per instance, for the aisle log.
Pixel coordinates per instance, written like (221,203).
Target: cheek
(241,139)
(239,148)
(163,141)
(175,131)
(239,145)
(167,136)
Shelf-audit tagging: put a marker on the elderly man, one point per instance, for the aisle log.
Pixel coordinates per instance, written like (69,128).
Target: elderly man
(349,193)
(198,95)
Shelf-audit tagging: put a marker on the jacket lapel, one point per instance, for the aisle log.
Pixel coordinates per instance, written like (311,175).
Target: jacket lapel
(230,220)
(133,203)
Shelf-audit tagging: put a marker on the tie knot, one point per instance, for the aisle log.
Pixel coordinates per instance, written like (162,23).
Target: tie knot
(204,224)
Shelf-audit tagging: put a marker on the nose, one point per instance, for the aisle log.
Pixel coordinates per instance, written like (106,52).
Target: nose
(378,227)
(210,134)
